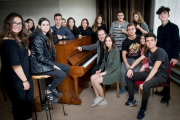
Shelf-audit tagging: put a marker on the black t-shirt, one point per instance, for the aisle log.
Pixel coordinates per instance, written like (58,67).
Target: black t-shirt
(106,56)
(12,55)
(159,55)
(132,47)
(101,52)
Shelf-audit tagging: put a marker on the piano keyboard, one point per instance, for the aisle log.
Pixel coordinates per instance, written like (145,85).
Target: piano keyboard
(89,60)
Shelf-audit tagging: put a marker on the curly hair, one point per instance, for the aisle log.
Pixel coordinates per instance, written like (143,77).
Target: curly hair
(140,20)
(7,31)
(95,25)
(162,9)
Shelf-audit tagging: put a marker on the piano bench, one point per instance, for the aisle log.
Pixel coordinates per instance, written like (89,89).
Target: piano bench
(117,89)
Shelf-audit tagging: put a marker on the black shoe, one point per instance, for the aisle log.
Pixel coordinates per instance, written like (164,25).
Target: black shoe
(165,99)
(51,98)
(159,93)
(57,93)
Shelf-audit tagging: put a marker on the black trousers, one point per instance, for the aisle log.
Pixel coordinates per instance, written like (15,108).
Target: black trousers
(152,83)
(21,99)
(59,74)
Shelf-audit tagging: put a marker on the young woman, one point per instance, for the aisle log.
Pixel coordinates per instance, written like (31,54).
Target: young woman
(141,26)
(16,78)
(31,24)
(63,23)
(72,27)
(98,24)
(85,30)
(143,48)
(43,58)
(27,27)
(109,71)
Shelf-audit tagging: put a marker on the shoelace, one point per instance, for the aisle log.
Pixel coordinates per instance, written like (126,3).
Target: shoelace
(141,112)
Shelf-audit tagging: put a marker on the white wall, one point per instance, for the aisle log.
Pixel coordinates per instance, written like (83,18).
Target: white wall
(78,9)
(33,9)
(174,6)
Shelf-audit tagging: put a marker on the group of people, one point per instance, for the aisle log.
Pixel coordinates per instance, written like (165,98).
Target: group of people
(127,54)
(144,57)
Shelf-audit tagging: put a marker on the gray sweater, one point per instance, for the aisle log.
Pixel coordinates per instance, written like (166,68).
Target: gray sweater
(93,47)
(115,30)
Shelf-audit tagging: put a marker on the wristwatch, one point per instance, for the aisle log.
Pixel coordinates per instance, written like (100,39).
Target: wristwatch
(130,68)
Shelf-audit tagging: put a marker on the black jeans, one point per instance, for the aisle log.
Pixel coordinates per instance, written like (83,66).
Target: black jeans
(59,74)
(21,99)
(138,76)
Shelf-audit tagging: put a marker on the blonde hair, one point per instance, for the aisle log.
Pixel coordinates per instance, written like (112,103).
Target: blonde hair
(140,19)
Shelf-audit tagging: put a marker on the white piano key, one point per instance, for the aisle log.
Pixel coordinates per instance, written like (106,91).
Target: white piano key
(88,62)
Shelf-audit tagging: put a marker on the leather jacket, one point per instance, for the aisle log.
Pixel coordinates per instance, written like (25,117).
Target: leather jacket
(41,59)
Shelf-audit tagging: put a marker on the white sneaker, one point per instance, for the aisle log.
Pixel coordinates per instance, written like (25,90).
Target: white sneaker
(104,102)
(97,101)
(96,98)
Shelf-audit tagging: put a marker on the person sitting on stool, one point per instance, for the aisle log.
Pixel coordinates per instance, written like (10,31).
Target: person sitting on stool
(43,58)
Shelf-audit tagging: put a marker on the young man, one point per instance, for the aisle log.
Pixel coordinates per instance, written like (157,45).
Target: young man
(168,39)
(63,22)
(61,31)
(119,31)
(130,52)
(158,65)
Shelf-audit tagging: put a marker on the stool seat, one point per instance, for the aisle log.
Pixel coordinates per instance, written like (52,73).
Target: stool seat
(40,76)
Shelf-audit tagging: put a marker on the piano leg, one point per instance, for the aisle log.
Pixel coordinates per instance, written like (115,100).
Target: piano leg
(76,100)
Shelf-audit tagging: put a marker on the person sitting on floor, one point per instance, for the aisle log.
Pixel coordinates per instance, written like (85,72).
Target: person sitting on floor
(156,75)
(109,71)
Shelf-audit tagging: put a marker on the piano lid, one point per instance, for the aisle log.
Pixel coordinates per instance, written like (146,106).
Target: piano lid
(78,57)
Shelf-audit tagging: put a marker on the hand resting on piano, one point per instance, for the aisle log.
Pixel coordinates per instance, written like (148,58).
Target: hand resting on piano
(79,48)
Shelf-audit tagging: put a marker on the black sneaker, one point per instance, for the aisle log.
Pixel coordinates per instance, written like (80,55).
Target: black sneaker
(57,93)
(131,103)
(51,97)
(159,93)
(165,99)
(141,114)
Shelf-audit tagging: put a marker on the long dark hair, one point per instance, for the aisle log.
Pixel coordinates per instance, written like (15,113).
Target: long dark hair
(70,18)
(7,30)
(113,43)
(33,27)
(87,28)
(95,25)
(145,46)
(48,34)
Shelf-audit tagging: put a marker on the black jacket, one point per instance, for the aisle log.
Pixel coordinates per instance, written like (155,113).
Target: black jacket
(41,59)
(168,39)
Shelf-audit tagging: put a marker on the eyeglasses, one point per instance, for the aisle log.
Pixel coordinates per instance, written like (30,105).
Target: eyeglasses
(17,24)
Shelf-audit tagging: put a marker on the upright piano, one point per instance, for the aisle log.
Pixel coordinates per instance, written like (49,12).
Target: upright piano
(80,64)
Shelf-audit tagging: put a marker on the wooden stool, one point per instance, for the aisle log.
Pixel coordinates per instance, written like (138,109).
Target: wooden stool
(117,89)
(40,102)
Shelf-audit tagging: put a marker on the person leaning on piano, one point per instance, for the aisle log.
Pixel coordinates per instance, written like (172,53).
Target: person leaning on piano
(60,31)
(100,51)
